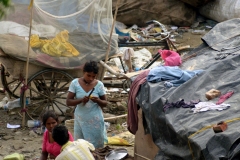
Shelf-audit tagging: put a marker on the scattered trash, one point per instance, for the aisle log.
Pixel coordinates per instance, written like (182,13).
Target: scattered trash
(198,31)
(195,25)
(213,93)
(33,123)
(209,27)
(220,127)
(28,101)
(3,102)
(12,104)
(174,27)
(13,126)
(107,125)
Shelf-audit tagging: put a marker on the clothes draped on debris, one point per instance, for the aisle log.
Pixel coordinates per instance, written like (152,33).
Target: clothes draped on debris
(132,116)
(173,76)
(224,97)
(196,106)
(170,58)
(181,104)
(205,106)
(128,53)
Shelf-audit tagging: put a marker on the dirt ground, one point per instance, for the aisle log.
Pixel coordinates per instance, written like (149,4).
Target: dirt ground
(26,140)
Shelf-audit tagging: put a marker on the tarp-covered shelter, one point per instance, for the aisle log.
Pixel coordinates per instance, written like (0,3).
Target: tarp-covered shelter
(176,130)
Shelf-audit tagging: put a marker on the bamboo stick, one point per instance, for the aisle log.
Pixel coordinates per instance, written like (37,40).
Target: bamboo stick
(111,70)
(110,39)
(27,64)
(115,117)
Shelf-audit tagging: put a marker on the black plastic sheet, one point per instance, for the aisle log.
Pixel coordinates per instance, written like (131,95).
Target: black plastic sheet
(178,132)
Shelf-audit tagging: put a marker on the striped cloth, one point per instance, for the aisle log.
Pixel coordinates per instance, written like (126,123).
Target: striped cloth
(76,150)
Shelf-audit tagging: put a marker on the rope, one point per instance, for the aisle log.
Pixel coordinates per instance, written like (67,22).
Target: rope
(203,129)
(23,88)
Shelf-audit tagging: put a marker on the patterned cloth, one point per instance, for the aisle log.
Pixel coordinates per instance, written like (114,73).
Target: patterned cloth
(88,118)
(77,150)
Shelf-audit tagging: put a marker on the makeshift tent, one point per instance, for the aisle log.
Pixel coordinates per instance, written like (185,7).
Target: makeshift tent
(177,131)
(65,34)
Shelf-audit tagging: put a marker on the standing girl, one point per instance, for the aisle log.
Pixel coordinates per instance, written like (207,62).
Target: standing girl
(88,94)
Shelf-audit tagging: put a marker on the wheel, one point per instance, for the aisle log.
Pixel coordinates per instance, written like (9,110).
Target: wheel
(12,86)
(47,90)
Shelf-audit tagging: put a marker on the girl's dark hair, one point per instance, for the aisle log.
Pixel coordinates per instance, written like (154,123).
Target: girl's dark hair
(60,135)
(47,114)
(91,66)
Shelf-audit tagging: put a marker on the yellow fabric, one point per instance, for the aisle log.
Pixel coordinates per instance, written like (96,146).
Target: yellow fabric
(117,141)
(79,149)
(57,47)
(30,5)
(14,156)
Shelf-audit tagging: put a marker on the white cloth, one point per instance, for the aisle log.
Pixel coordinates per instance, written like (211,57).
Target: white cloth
(9,27)
(205,106)
(128,53)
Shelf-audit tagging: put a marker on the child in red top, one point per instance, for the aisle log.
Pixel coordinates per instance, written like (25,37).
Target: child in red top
(49,146)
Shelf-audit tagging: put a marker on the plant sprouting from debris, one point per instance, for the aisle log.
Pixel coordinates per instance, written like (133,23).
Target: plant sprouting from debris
(4,6)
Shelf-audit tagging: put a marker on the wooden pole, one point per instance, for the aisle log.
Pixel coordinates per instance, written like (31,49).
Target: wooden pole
(30,7)
(110,39)
(116,117)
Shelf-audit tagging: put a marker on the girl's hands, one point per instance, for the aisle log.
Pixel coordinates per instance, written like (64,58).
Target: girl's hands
(95,99)
(85,100)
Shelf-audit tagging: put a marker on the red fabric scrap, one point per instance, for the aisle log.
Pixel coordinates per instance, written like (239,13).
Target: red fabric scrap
(132,116)
(224,97)
(170,58)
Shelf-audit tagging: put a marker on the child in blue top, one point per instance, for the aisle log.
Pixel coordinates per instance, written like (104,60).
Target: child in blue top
(88,117)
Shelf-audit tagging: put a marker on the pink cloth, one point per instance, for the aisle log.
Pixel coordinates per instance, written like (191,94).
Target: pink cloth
(224,97)
(170,58)
(52,148)
(132,116)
